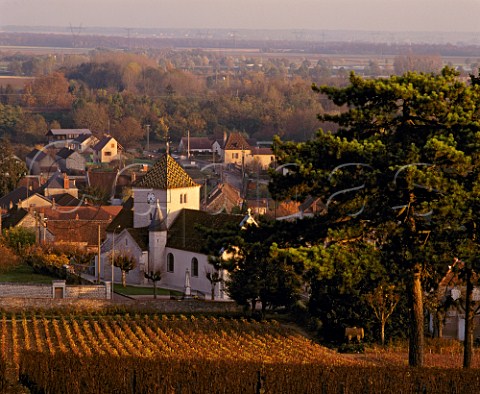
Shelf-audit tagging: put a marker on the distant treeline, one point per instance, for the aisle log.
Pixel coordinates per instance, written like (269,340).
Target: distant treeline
(82,40)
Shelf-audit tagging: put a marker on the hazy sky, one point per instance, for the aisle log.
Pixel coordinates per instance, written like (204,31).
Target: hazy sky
(392,15)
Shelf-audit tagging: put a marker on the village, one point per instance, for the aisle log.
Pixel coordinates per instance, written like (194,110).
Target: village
(148,209)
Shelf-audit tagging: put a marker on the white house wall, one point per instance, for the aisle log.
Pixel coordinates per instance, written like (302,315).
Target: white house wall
(124,243)
(182,262)
(143,211)
(170,201)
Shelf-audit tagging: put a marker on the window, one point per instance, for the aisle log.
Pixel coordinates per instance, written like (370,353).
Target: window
(170,263)
(181,198)
(184,198)
(112,145)
(108,153)
(194,267)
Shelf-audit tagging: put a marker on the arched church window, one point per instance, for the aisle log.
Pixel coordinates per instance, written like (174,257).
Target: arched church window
(194,267)
(170,262)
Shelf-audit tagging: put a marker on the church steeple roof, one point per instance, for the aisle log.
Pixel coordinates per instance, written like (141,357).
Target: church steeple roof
(165,174)
(158,222)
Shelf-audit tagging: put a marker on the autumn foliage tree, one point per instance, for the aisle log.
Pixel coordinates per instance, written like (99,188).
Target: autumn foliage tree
(126,262)
(383,301)
(50,91)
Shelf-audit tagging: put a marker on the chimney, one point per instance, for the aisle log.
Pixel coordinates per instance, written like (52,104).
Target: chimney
(66,182)
(134,177)
(224,138)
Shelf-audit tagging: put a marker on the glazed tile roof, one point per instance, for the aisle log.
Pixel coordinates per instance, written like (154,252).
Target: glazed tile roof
(165,174)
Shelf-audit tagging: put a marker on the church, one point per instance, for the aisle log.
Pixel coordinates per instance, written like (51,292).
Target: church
(162,228)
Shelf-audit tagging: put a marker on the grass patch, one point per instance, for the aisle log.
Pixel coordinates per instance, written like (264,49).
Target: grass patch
(137,290)
(23,273)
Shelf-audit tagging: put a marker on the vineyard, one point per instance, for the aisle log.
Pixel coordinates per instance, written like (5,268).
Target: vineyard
(177,354)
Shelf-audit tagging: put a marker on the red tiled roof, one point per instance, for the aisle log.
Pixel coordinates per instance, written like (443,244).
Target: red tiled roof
(81,213)
(236,141)
(262,151)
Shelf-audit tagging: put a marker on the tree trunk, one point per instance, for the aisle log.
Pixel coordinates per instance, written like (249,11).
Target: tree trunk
(416,339)
(439,316)
(155,289)
(382,333)
(124,278)
(469,314)
(213,292)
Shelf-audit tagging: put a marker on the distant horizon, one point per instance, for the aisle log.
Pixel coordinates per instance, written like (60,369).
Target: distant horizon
(396,16)
(85,27)
(260,34)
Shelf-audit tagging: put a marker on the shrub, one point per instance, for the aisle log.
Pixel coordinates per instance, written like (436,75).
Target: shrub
(8,259)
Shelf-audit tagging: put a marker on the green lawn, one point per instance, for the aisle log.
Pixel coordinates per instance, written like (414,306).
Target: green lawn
(23,273)
(137,290)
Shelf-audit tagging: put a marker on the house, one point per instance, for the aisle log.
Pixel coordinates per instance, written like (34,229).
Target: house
(23,197)
(191,145)
(236,149)
(79,225)
(262,157)
(449,321)
(64,135)
(32,182)
(162,227)
(217,147)
(83,143)
(223,198)
(41,162)
(70,161)
(104,181)
(66,200)
(106,150)
(27,219)
(59,183)
(242,152)
(310,207)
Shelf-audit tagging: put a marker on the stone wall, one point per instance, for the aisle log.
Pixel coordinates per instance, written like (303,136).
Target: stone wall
(26,290)
(141,306)
(87,291)
(45,291)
